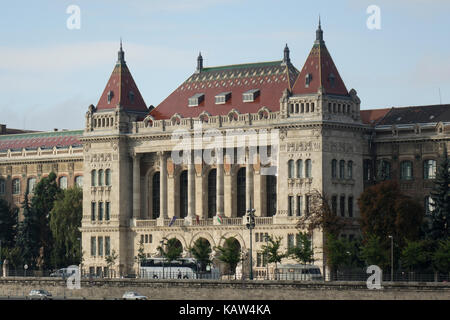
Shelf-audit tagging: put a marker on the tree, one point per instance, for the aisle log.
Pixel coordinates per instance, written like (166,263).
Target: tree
(302,251)
(386,211)
(416,255)
(341,253)
(14,257)
(321,216)
(201,250)
(375,252)
(8,224)
(229,253)
(141,255)
(441,257)
(65,221)
(271,250)
(111,260)
(440,215)
(45,194)
(28,234)
(172,250)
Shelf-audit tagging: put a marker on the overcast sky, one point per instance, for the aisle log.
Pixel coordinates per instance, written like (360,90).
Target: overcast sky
(50,74)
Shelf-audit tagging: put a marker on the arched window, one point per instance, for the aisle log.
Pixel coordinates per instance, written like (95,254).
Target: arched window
(334,169)
(183,194)
(342,169)
(107,177)
(16,186)
(241,192)
(212,193)
(291,169)
(156,195)
(2,186)
(308,168)
(271,195)
(79,181)
(101,177)
(429,169)
(63,182)
(406,171)
(93,178)
(30,185)
(299,168)
(350,169)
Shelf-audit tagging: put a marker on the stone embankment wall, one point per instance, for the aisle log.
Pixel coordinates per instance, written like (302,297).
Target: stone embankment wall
(226,290)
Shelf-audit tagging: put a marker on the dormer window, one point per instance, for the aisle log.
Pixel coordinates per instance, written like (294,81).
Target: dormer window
(308,79)
(250,95)
(223,97)
(131,96)
(196,99)
(110,96)
(332,79)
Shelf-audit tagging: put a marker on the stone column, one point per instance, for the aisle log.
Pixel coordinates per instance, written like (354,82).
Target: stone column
(249,197)
(219,188)
(136,186)
(163,186)
(191,190)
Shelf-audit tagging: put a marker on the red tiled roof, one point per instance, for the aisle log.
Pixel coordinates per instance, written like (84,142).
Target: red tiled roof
(121,84)
(271,78)
(320,66)
(40,140)
(373,116)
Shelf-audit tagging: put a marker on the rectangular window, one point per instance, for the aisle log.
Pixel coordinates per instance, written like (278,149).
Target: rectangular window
(256,237)
(299,206)
(142,238)
(100,246)
(342,206)
(334,205)
(350,207)
(93,206)
(108,211)
(107,246)
(307,205)
(91,271)
(93,246)
(258,259)
(223,97)
(146,238)
(291,242)
(100,211)
(250,95)
(196,99)
(150,238)
(266,237)
(290,206)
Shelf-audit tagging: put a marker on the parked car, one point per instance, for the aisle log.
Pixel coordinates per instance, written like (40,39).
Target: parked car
(40,294)
(133,296)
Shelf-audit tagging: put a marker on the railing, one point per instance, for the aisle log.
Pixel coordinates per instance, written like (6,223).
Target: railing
(231,221)
(263,220)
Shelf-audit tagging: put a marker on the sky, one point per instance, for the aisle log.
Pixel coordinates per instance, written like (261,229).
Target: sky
(50,74)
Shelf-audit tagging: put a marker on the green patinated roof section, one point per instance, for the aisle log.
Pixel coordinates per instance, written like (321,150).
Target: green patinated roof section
(48,134)
(242,66)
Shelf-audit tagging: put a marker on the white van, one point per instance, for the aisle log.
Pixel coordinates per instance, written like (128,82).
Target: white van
(306,272)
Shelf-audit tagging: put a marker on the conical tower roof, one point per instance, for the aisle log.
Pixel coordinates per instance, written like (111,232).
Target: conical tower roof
(319,71)
(121,89)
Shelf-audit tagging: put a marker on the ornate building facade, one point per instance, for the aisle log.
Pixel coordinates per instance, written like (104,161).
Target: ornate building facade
(135,188)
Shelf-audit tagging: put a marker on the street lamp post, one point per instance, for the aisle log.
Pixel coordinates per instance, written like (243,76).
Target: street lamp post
(250,225)
(162,242)
(392,258)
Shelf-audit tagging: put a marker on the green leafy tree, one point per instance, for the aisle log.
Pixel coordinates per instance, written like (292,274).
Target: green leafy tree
(229,253)
(45,194)
(272,250)
(416,255)
(111,260)
(386,211)
(172,250)
(28,234)
(302,251)
(375,252)
(14,257)
(141,254)
(337,253)
(201,250)
(440,215)
(441,257)
(8,224)
(65,221)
